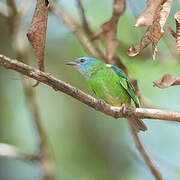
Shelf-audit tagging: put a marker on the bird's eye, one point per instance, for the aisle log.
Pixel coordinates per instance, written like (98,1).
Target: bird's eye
(82,60)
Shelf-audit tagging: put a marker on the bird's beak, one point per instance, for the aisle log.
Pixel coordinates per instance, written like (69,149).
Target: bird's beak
(71,63)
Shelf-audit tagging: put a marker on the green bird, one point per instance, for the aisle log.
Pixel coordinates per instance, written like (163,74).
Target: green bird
(110,84)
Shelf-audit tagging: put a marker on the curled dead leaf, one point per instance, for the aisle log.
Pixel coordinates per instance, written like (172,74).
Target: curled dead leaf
(167,80)
(136,49)
(154,17)
(37,31)
(133,50)
(146,18)
(177,18)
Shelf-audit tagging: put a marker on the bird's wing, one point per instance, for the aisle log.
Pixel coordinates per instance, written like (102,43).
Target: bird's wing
(126,84)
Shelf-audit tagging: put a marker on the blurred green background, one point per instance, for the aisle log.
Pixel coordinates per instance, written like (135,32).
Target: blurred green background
(86,144)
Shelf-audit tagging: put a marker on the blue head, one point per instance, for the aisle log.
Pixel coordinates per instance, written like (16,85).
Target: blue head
(83,64)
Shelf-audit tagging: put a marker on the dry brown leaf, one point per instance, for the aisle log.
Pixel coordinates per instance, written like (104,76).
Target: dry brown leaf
(156,29)
(167,80)
(146,18)
(133,50)
(177,18)
(155,23)
(136,49)
(109,29)
(37,31)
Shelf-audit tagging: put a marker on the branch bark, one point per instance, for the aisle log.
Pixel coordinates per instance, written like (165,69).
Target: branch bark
(59,85)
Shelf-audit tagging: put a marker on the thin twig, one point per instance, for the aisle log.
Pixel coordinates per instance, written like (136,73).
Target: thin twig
(89,32)
(20,47)
(44,159)
(144,154)
(84,20)
(24,6)
(11,5)
(170,30)
(75,28)
(2,12)
(92,47)
(108,30)
(83,97)
(10,151)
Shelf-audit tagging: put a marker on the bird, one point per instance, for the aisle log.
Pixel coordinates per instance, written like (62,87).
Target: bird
(110,84)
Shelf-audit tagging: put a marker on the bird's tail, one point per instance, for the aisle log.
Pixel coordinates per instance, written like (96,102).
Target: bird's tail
(137,124)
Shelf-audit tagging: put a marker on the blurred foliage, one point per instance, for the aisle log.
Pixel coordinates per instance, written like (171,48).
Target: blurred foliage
(85,144)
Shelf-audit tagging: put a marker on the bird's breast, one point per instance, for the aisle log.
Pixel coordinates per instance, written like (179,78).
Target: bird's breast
(106,86)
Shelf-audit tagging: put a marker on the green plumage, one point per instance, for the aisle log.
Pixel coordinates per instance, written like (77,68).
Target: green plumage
(111,84)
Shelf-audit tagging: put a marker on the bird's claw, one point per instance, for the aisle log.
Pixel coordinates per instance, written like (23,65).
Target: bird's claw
(123,108)
(101,102)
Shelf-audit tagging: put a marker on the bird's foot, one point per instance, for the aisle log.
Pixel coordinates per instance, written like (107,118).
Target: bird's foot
(123,108)
(101,102)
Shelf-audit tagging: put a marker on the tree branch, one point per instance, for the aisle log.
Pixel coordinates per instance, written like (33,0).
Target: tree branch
(83,97)
(9,151)
(2,12)
(88,31)
(75,28)
(144,154)
(83,19)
